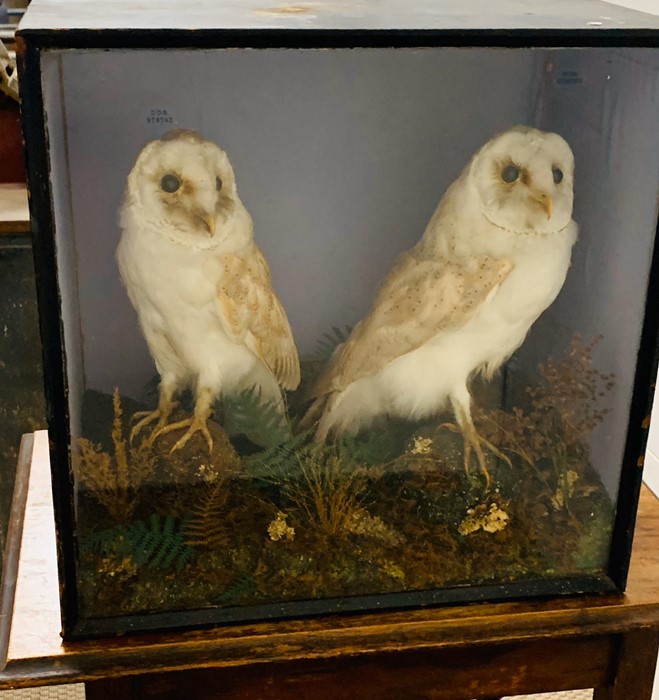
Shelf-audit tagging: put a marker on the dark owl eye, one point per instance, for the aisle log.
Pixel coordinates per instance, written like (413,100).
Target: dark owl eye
(218,184)
(558,175)
(170,183)
(510,173)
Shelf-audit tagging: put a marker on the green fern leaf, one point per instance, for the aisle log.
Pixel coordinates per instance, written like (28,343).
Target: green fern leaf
(167,545)
(160,544)
(328,342)
(277,461)
(261,421)
(150,389)
(240,586)
(372,447)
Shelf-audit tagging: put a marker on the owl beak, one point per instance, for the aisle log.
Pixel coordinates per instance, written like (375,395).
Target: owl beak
(545,201)
(202,215)
(210,223)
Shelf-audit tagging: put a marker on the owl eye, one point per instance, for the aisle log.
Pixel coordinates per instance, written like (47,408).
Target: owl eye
(170,183)
(510,173)
(218,183)
(558,175)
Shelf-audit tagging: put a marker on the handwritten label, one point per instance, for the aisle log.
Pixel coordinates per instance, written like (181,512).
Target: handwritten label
(159,115)
(569,77)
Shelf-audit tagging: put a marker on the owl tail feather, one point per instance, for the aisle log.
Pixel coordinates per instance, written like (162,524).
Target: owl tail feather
(322,414)
(314,412)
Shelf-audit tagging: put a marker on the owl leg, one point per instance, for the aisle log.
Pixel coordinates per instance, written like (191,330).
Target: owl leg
(195,424)
(166,405)
(473,442)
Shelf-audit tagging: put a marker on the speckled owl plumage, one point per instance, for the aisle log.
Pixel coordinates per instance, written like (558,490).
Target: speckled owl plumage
(199,283)
(493,257)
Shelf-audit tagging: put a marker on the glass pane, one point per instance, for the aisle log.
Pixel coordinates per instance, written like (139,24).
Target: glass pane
(458,417)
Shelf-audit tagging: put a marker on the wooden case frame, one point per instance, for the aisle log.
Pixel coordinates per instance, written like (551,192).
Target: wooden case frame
(426,28)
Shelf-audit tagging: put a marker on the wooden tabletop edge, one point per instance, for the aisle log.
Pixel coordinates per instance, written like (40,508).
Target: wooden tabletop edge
(93,659)
(48,660)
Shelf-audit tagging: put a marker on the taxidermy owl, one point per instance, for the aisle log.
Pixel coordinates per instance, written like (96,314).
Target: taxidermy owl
(199,283)
(493,257)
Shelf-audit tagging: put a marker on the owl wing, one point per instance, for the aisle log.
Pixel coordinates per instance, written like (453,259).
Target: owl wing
(418,299)
(251,313)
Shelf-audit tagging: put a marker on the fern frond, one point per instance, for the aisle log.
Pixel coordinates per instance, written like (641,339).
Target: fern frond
(328,342)
(263,422)
(278,460)
(150,389)
(206,526)
(373,447)
(158,544)
(237,589)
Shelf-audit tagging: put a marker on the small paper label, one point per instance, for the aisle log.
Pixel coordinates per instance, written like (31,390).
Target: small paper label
(569,77)
(159,115)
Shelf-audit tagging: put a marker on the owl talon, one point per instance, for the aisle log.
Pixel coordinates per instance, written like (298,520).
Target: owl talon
(161,414)
(482,463)
(473,442)
(141,414)
(196,426)
(147,417)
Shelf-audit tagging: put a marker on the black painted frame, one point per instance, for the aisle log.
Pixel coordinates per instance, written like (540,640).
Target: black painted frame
(30,44)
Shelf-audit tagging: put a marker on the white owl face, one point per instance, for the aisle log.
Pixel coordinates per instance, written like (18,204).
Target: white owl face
(524,178)
(187,184)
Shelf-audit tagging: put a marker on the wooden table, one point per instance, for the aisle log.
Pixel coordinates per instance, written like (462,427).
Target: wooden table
(481,650)
(14,212)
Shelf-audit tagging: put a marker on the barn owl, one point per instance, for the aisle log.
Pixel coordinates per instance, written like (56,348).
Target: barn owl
(199,283)
(493,257)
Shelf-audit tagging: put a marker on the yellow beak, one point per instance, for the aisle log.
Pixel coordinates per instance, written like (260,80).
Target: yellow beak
(545,201)
(210,222)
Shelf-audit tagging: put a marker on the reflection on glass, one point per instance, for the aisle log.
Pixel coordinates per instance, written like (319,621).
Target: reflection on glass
(289,379)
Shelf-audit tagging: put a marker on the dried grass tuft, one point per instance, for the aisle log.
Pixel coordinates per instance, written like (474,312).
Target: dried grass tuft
(115,479)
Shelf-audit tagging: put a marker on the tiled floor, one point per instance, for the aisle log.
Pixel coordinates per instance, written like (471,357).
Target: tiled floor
(55,692)
(76,692)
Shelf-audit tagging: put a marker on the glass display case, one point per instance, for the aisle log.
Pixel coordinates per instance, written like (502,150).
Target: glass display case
(344,306)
